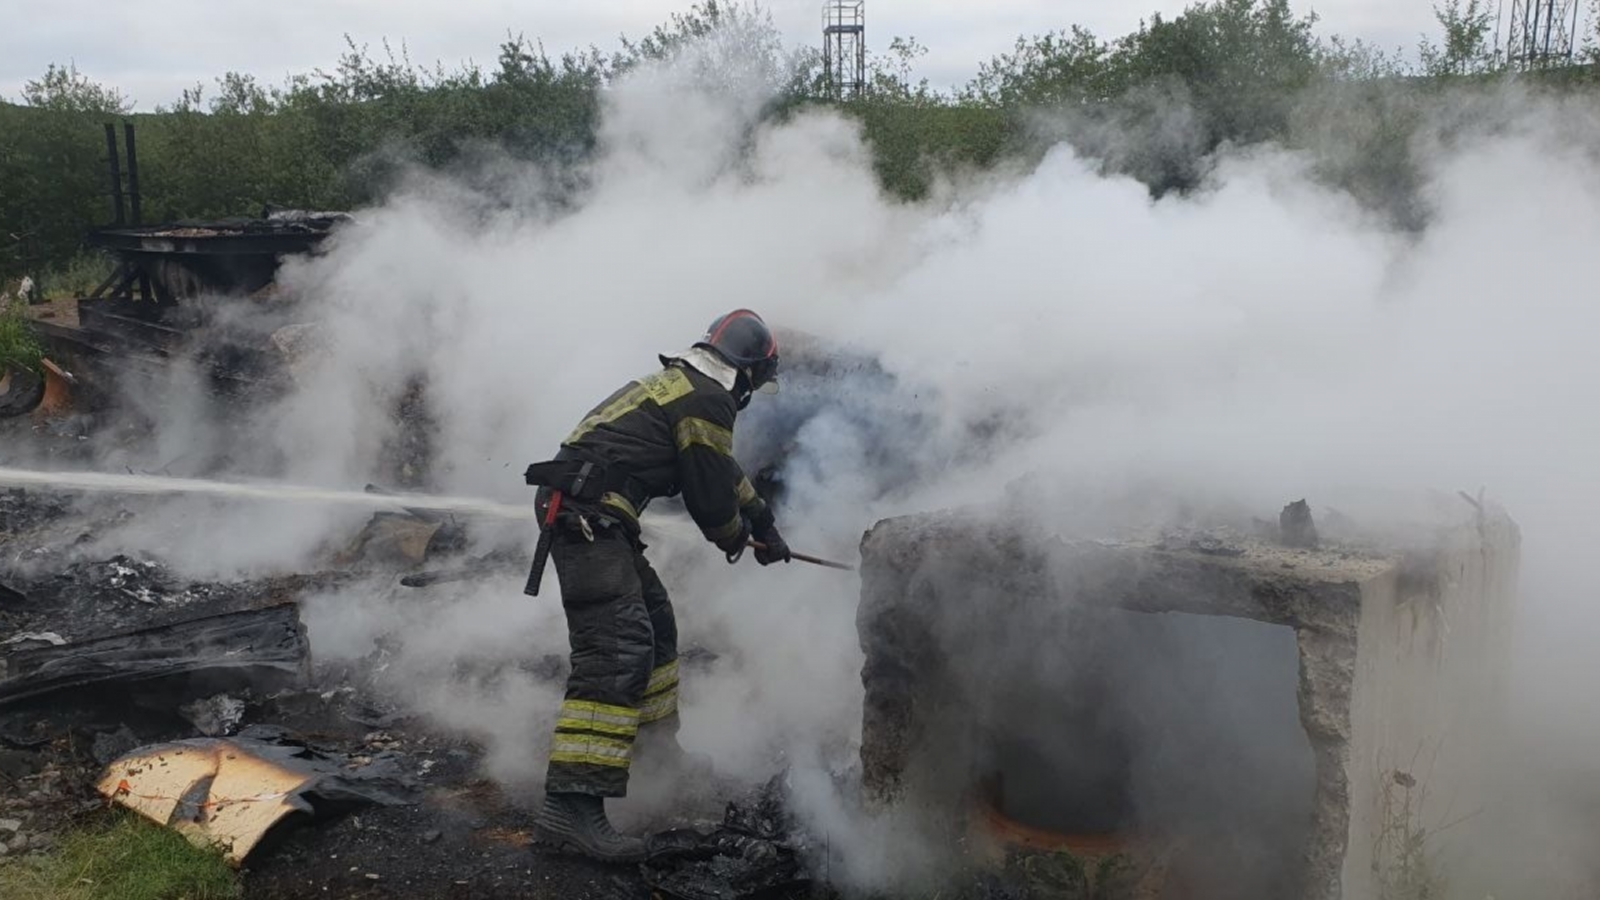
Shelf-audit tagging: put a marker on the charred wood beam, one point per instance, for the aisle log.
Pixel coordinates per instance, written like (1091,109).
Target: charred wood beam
(114,161)
(259,644)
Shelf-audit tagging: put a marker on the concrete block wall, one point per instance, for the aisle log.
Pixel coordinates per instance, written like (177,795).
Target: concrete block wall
(1402,659)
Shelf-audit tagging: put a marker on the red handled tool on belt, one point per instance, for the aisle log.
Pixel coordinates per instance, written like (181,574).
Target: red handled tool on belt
(541,550)
(581,481)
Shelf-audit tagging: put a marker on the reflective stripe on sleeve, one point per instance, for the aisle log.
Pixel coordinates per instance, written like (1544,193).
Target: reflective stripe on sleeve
(691,431)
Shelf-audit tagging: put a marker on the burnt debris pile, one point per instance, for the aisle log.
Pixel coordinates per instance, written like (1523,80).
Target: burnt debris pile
(124,683)
(757,852)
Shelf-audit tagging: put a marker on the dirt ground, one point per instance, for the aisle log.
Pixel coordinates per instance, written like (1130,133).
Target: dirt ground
(459,843)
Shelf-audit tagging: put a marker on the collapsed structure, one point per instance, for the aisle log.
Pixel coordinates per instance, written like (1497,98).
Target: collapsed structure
(1284,720)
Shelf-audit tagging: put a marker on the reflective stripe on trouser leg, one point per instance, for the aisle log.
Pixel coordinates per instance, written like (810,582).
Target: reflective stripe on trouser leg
(596,734)
(661,697)
(613,648)
(659,709)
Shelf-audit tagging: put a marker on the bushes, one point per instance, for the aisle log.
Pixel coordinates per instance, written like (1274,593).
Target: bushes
(19,346)
(1238,72)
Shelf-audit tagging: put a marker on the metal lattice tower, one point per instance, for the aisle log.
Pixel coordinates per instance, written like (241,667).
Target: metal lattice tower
(1541,33)
(844,48)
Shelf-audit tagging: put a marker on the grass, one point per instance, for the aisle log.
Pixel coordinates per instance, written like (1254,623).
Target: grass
(78,275)
(19,346)
(1404,866)
(121,857)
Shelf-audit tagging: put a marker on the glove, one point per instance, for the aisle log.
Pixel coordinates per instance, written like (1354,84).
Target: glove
(772,549)
(733,547)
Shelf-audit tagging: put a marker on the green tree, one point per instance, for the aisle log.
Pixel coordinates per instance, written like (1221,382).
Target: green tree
(65,89)
(239,94)
(53,182)
(890,76)
(1052,69)
(1243,63)
(1357,61)
(1466,49)
(665,40)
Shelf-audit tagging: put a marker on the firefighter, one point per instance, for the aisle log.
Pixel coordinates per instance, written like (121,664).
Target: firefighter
(670,432)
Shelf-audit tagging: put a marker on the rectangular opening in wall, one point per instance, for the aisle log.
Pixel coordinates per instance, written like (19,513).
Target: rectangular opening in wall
(1174,738)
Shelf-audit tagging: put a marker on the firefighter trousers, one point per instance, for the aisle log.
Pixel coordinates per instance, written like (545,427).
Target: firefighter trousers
(623,686)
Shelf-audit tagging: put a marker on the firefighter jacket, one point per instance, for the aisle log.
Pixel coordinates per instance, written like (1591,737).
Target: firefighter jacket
(669,433)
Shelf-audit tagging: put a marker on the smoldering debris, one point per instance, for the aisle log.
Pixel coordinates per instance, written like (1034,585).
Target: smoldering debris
(215,716)
(22,510)
(82,598)
(112,665)
(757,852)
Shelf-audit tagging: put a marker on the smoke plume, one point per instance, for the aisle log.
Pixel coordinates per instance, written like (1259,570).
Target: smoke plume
(1029,339)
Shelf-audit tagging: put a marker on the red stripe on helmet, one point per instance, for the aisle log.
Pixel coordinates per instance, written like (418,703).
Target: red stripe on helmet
(772,339)
(723,326)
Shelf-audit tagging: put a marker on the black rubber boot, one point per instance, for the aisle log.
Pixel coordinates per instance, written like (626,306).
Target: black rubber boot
(578,823)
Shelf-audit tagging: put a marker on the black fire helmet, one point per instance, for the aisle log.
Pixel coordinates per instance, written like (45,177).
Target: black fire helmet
(744,341)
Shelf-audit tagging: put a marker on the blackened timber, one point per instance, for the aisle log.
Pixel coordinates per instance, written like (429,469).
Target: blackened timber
(266,645)
(116,174)
(134,202)
(133,175)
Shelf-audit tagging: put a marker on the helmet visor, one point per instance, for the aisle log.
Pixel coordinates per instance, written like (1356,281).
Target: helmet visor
(763,375)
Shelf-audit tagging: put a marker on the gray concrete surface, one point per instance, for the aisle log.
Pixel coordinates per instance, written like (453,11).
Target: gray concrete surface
(1402,659)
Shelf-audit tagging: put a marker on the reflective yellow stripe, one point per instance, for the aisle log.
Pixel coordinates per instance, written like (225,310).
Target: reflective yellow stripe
(692,431)
(590,749)
(596,725)
(747,492)
(621,503)
(663,676)
(590,711)
(657,708)
(588,759)
(726,531)
(591,743)
(663,387)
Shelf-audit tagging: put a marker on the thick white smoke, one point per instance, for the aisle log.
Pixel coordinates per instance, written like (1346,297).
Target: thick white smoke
(1259,341)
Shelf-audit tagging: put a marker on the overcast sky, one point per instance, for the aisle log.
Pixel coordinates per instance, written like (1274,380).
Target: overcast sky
(152,49)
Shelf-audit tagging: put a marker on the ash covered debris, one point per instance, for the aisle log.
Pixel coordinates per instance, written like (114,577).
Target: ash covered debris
(757,852)
(453,835)
(104,596)
(21,511)
(21,391)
